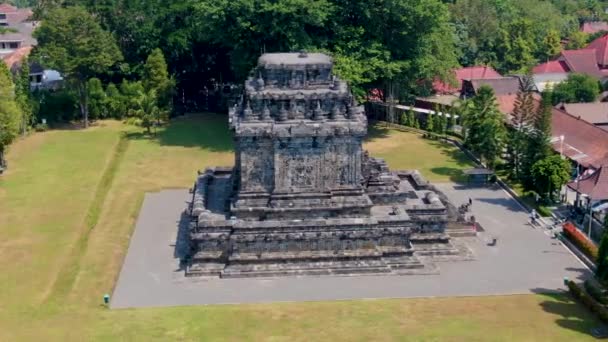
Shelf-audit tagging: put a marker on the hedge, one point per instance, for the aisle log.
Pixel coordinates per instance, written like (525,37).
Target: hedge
(589,302)
(595,292)
(581,241)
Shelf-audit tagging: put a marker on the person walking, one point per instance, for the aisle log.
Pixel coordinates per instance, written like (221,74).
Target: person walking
(470,201)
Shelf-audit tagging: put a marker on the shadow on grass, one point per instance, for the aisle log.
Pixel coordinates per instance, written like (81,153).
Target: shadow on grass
(205,130)
(455,174)
(376,131)
(573,315)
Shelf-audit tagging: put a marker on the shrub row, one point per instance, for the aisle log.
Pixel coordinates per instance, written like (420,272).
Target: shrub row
(595,292)
(581,241)
(589,302)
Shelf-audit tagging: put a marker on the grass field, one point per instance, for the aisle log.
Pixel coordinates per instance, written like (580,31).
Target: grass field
(68,204)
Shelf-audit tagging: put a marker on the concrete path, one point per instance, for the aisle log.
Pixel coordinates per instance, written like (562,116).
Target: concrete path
(525,260)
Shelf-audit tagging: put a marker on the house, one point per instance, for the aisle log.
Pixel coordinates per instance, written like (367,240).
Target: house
(18,26)
(583,142)
(500,85)
(467,73)
(17,43)
(595,113)
(592,27)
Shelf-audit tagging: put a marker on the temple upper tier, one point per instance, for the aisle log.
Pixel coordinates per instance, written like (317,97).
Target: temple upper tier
(295,86)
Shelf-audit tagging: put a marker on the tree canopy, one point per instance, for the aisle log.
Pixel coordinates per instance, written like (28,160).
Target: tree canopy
(72,41)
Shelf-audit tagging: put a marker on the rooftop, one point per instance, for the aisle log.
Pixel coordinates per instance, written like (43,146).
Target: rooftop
(294,58)
(551,67)
(583,142)
(594,112)
(583,61)
(467,73)
(595,185)
(601,48)
(594,26)
(501,86)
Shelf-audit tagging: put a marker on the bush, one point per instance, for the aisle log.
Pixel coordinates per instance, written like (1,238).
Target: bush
(595,292)
(544,211)
(41,127)
(133,121)
(581,241)
(589,302)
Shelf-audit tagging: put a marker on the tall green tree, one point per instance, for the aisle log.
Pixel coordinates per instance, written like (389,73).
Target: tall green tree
(156,77)
(522,122)
(550,174)
(23,94)
(10,112)
(538,141)
(98,102)
(485,127)
(551,45)
(71,41)
(516,46)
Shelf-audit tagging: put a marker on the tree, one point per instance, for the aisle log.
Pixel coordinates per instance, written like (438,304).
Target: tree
(577,40)
(516,46)
(98,102)
(71,41)
(131,93)
(148,110)
(538,145)
(411,117)
(485,127)
(522,120)
(23,94)
(551,45)
(115,102)
(576,88)
(602,258)
(550,174)
(430,121)
(10,113)
(156,77)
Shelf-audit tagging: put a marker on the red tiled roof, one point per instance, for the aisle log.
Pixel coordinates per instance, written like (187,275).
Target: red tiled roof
(594,26)
(582,61)
(14,58)
(601,49)
(7,8)
(501,86)
(583,142)
(551,67)
(467,73)
(595,185)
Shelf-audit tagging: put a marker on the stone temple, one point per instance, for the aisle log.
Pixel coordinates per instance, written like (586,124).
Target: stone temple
(303,197)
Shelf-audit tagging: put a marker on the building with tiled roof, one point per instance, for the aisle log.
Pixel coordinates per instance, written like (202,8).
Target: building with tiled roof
(594,185)
(466,73)
(594,27)
(500,85)
(594,112)
(583,142)
(600,45)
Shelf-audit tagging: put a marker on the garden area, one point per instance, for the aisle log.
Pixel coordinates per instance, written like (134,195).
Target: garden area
(68,204)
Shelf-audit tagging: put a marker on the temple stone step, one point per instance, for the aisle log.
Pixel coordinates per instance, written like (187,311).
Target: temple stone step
(461,232)
(306,268)
(205,269)
(433,249)
(317,255)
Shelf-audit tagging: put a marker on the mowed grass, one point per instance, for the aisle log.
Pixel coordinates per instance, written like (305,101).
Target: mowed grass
(437,161)
(55,268)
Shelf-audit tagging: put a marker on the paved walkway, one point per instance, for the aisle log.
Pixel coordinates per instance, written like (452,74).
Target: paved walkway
(525,260)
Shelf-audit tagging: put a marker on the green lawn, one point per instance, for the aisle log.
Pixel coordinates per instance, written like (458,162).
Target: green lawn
(68,204)
(436,160)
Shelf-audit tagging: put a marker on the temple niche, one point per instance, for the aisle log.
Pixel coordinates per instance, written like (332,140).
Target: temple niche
(303,197)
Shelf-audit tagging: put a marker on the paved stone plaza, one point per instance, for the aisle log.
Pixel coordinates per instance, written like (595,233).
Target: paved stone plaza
(525,260)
